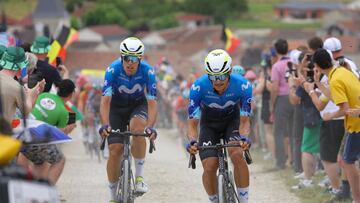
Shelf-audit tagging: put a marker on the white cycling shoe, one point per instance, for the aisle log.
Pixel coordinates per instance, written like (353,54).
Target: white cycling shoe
(140,186)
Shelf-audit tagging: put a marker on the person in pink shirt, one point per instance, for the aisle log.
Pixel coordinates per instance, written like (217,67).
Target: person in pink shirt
(283,111)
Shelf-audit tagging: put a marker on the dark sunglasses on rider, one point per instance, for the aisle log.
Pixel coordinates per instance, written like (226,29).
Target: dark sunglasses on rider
(133,59)
(218,77)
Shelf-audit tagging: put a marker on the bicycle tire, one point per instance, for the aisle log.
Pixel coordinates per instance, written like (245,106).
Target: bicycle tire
(221,189)
(125,182)
(230,189)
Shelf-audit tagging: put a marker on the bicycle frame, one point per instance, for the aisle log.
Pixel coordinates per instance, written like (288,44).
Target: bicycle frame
(226,187)
(126,183)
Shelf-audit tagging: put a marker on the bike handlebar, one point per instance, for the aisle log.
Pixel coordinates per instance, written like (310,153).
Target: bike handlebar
(192,160)
(129,134)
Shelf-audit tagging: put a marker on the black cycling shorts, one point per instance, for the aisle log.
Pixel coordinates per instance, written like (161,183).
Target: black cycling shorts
(120,118)
(212,131)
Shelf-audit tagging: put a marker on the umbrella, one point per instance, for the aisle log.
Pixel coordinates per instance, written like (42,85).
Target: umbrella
(39,133)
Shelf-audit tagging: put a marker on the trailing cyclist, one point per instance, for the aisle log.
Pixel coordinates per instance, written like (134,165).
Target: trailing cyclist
(125,102)
(216,100)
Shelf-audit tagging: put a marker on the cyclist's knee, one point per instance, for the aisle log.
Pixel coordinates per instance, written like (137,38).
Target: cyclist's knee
(236,155)
(116,149)
(210,165)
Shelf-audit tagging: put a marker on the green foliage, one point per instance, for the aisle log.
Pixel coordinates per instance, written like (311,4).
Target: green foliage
(71,4)
(74,22)
(162,22)
(104,14)
(220,10)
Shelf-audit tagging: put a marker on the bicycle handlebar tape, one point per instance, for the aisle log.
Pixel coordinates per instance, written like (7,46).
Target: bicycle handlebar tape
(248,157)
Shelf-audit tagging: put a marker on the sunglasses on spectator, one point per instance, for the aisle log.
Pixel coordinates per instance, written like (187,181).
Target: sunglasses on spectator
(218,77)
(133,59)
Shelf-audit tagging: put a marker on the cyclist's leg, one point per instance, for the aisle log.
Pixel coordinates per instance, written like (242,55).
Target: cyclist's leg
(241,171)
(138,147)
(209,160)
(118,120)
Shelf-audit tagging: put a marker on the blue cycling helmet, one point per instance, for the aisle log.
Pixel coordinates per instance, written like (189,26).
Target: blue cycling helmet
(238,70)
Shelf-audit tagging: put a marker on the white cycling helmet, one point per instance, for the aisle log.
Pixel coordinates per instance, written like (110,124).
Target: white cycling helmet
(218,62)
(132,46)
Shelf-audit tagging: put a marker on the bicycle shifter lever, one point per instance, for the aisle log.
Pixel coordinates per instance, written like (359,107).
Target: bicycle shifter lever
(192,161)
(152,147)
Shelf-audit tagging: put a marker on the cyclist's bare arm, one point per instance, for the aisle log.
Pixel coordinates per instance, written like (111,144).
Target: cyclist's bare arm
(244,128)
(105,109)
(152,112)
(193,129)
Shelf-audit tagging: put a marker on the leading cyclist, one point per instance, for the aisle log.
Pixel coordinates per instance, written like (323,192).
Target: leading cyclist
(216,100)
(129,95)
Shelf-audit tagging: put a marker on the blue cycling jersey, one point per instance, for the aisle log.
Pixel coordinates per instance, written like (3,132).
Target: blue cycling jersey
(204,99)
(126,89)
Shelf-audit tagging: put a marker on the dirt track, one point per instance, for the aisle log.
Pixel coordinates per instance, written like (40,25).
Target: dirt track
(84,180)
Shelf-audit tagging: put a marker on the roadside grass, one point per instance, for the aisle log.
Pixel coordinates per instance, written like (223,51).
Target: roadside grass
(307,195)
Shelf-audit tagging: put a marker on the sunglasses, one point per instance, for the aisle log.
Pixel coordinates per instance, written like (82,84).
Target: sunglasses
(129,58)
(218,77)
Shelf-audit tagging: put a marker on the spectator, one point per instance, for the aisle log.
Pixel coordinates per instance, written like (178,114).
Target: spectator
(263,88)
(311,117)
(283,110)
(334,45)
(315,43)
(345,92)
(48,160)
(40,48)
(298,126)
(11,91)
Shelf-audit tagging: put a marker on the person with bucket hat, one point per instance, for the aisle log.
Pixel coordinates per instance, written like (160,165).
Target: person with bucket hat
(11,91)
(40,48)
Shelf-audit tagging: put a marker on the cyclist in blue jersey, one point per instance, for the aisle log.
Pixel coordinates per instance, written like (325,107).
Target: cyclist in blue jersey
(129,98)
(215,101)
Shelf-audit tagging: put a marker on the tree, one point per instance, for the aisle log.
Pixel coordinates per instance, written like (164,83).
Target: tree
(220,10)
(104,14)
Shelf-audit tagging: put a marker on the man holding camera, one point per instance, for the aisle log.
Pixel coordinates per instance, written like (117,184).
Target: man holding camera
(48,160)
(345,93)
(40,48)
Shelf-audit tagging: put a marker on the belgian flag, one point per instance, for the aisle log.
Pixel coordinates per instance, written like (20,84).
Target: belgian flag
(231,42)
(61,42)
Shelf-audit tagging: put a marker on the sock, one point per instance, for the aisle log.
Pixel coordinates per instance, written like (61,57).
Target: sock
(243,194)
(213,198)
(112,190)
(139,167)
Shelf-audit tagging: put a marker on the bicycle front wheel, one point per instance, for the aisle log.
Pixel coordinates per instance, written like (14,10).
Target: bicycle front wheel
(221,188)
(125,182)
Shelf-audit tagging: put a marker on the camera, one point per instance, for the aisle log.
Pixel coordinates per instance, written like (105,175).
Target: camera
(310,71)
(290,71)
(72,118)
(58,62)
(34,78)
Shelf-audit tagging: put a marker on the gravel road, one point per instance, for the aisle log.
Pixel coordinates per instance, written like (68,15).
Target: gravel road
(84,180)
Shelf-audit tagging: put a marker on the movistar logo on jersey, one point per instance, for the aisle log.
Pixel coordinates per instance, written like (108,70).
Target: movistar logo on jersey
(134,89)
(245,86)
(110,70)
(209,143)
(195,87)
(218,106)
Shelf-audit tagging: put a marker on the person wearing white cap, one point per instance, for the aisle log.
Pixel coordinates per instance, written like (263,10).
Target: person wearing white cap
(333,44)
